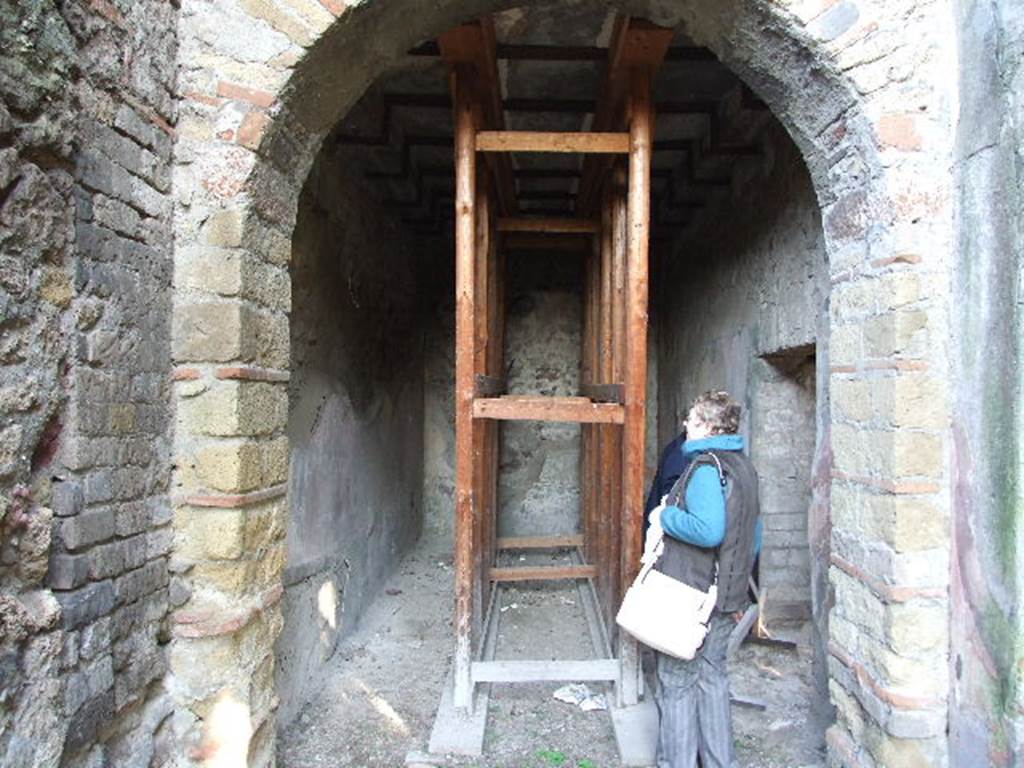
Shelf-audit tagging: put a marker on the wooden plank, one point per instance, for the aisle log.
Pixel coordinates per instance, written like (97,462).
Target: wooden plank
(474,45)
(633,41)
(465,251)
(528,671)
(550,225)
(608,459)
(568,409)
(603,142)
(539,542)
(682,53)
(543,573)
(633,443)
(618,369)
(489,386)
(481,341)
(603,393)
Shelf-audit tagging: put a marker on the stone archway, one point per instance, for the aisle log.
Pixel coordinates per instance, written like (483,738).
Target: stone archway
(262,84)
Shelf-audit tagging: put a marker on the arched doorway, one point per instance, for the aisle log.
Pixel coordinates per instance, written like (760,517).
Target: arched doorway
(248,140)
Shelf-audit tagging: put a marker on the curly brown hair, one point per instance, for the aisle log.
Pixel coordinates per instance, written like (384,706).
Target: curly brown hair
(718,410)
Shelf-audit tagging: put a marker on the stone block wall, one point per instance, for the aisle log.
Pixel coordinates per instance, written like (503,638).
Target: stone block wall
(85,141)
(355,416)
(986,722)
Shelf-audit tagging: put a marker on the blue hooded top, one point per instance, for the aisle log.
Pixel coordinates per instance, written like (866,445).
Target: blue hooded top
(702,521)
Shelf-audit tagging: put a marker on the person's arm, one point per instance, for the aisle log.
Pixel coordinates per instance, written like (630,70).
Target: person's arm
(702,522)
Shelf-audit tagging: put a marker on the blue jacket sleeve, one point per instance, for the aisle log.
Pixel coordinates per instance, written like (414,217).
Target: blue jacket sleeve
(702,523)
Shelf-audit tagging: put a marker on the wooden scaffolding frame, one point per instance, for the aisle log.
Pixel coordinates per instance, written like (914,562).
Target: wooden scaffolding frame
(613,218)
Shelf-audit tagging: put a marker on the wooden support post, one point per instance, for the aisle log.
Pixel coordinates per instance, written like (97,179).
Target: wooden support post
(465,257)
(587,501)
(609,461)
(639,200)
(483,511)
(618,300)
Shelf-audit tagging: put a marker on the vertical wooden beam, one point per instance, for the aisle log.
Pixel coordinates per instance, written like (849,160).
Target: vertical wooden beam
(593,341)
(639,201)
(618,211)
(610,464)
(465,252)
(483,512)
(586,431)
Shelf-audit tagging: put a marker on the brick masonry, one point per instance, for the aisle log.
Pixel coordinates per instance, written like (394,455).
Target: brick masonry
(85,232)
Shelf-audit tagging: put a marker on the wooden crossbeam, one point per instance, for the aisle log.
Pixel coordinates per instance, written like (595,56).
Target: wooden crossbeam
(489,386)
(635,43)
(540,542)
(604,393)
(552,225)
(524,671)
(474,45)
(578,410)
(543,573)
(603,142)
(568,53)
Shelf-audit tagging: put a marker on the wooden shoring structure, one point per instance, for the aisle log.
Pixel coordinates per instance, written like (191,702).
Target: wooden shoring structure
(611,407)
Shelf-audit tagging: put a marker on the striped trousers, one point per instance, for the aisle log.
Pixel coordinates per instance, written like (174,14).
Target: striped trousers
(693,700)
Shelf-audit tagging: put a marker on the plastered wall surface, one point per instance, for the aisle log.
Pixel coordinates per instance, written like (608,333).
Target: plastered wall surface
(735,302)
(986,726)
(538,490)
(355,419)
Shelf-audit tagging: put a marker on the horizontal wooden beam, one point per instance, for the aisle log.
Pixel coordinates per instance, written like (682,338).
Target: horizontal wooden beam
(569,53)
(543,573)
(489,386)
(553,141)
(523,671)
(578,410)
(563,226)
(540,542)
(604,393)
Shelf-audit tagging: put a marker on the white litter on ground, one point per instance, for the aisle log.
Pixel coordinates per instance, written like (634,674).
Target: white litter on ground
(581,696)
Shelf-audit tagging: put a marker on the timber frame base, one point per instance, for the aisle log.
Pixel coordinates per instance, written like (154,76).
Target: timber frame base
(461,731)
(612,217)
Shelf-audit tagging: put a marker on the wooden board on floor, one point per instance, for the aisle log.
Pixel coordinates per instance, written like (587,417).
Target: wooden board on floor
(543,573)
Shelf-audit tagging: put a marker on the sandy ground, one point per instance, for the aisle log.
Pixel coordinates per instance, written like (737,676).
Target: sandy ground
(379,694)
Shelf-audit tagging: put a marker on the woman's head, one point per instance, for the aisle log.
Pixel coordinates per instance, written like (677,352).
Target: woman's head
(713,413)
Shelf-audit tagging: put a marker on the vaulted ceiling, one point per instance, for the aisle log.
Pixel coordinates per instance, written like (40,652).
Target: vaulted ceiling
(551,65)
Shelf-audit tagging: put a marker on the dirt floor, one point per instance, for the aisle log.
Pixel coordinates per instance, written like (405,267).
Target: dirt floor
(380,693)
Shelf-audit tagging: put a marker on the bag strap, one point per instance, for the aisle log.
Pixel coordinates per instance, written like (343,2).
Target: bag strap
(700,460)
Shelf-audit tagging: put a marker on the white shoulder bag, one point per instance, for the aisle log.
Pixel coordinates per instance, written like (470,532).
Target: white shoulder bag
(662,612)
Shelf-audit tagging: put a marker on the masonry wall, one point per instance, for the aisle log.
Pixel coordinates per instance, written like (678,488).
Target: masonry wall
(538,491)
(86,111)
(355,419)
(742,306)
(986,727)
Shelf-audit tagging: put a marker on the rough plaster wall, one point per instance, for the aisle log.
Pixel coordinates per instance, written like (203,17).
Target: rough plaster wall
(986,726)
(751,281)
(538,490)
(538,485)
(85,114)
(356,420)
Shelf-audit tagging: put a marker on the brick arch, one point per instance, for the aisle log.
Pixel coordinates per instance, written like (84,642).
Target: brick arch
(262,83)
